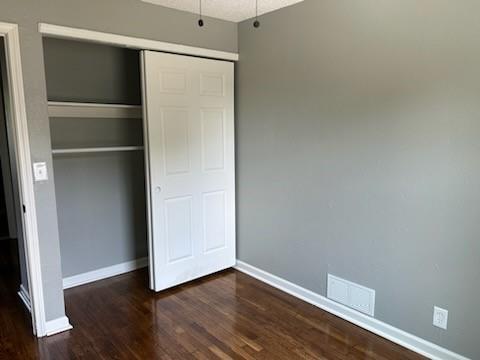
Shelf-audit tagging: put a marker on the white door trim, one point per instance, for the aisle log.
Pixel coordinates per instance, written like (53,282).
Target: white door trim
(17,114)
(131,42)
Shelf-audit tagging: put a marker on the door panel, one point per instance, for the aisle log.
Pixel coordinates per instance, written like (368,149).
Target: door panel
(175,140)
(214,221)
(213,139)
(189,132)
(178,228)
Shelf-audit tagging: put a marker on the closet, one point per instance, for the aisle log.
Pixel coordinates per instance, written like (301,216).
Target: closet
(97,146)
(143,157)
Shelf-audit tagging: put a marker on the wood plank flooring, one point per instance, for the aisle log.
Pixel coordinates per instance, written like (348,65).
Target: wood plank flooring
(228,315)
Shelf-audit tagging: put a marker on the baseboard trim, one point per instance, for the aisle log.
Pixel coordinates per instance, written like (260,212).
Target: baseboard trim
(104,273)
(56,326)
(373,325)
(25,297)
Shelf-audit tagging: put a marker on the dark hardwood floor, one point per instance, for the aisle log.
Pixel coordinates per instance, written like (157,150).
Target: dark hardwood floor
(228,315)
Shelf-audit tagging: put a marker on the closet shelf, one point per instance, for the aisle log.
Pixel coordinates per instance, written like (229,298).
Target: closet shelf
(96,150)
(92,110)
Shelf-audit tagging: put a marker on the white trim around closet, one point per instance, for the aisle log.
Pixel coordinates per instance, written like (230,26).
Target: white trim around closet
(58,31)
(17,114)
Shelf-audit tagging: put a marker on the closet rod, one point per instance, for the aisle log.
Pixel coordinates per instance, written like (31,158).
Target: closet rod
(92,110)
(96,150)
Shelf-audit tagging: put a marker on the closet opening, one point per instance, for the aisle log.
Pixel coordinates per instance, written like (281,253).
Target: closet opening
(13,269)
(94,101)
(143,159)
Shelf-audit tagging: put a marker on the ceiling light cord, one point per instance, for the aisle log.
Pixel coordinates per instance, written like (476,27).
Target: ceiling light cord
(200,21)
(256,23)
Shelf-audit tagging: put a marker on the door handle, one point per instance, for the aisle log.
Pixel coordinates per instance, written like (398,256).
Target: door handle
(158,189)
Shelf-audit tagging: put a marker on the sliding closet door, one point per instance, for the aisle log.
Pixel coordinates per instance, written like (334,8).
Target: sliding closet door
(189,125)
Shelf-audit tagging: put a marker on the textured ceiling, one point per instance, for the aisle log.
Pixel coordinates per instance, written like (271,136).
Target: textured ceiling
(231,10)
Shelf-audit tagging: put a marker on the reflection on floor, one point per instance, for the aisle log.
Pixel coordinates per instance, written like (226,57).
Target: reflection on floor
(228,315)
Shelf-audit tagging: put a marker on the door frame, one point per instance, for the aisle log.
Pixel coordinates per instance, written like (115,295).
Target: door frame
(16,113)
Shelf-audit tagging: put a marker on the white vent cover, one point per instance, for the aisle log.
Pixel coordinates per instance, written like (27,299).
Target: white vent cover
(356,296)
(231,10)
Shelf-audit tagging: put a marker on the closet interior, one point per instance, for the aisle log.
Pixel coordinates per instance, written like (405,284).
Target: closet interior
(94,94)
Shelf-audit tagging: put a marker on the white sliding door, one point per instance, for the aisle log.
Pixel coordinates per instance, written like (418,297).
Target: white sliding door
(189,143)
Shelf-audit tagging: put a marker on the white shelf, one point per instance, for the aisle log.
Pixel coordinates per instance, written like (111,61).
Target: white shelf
(96,150)
(91,110)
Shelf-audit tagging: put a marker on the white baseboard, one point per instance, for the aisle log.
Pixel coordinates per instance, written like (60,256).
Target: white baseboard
(25,297)
(52,327)
(104,273)
(371,324)
(56,326)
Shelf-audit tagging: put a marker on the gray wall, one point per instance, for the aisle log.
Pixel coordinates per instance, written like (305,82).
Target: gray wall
(358,154)
(101,210)
(87,72)
(126,17)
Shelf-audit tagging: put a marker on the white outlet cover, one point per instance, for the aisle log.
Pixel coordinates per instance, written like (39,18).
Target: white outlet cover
(40,171)
(440,317)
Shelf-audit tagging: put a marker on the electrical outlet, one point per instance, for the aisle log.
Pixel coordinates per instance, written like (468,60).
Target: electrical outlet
(440,317)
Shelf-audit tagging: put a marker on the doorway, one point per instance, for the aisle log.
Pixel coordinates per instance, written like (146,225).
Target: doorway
(13,269)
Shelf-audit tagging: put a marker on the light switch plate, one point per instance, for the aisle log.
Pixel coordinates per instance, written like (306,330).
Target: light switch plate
(40,171)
